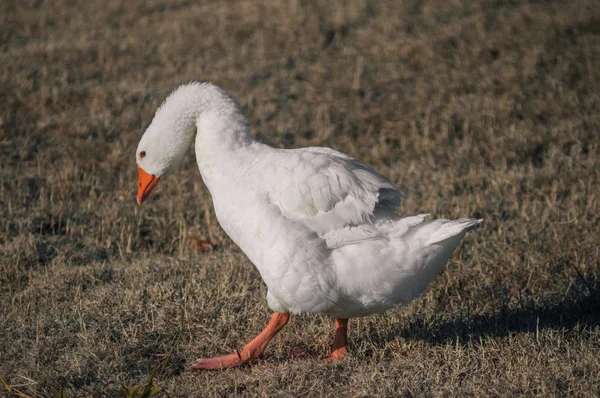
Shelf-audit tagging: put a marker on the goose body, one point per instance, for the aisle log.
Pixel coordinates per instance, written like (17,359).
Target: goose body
(320,226)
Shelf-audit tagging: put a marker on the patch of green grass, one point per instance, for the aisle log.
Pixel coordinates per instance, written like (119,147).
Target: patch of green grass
(150,389)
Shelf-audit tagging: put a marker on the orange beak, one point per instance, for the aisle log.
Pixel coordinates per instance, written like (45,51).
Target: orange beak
(146,182)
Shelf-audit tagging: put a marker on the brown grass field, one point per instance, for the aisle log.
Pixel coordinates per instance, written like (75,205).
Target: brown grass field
(473,108)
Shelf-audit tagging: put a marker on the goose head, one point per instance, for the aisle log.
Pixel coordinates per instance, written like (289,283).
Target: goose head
(194,106)
(163,146)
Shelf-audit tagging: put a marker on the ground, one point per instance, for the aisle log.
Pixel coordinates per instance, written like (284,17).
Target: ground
(487,109)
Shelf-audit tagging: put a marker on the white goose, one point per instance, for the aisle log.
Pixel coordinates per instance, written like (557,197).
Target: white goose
(320,226)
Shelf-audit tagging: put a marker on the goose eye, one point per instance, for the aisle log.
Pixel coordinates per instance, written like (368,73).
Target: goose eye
(142,154)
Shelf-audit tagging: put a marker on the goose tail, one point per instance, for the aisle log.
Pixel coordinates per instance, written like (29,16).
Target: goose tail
(451,229)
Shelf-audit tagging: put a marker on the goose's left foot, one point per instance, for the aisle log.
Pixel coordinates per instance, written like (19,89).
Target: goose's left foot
(340,341)
(251,351)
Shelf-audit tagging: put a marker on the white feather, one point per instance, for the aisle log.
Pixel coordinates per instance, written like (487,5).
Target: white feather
(320,226)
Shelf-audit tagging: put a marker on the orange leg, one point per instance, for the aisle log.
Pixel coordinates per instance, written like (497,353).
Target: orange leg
(340,341)
(251,351)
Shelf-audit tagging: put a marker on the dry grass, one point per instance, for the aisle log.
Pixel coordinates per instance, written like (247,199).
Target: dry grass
(474,108)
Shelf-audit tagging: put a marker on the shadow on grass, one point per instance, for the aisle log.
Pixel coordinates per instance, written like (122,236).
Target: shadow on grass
(576,311)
